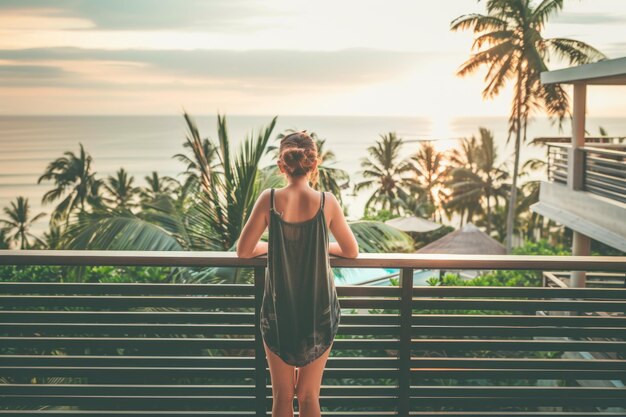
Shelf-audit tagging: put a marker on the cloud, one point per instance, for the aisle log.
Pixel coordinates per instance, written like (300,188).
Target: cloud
(263,69)
(30,75)
(203,15)
(588,18)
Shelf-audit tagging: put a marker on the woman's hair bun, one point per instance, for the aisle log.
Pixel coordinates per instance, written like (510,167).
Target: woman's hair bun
(298,153)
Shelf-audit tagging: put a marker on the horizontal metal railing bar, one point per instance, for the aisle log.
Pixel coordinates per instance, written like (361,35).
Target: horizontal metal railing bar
(519,363)
(206,401)
(606,188)
(124,301)
(197,290)
(201,291)
(240,302)
(326,390)
(335,362)
(104,413)
(363,413)
(610,182)
(178,344)
(179,390)
(490,403)
(109,302)
(126,316)
(602,191)
(518,345)
(36,329)
(175,403)
(517,320)
(172,344)
(536,292)
(605,151)
(511,414)
(68,329)
(124,328)
(592,275)
(518,305)
(364,260)
(209,290)
(125,375)
(21,316)
(601,158)
(107,289)
(515,374)
(131,413)
(521,391)
(519,331)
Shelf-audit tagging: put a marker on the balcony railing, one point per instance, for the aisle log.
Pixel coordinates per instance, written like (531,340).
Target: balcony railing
(85,349)
(604,168)
(593,279)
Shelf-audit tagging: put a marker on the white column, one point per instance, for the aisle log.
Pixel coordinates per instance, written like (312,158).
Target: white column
(575,155)
(581,244)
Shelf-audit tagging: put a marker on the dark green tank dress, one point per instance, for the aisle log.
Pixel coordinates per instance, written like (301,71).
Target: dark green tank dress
(300,312)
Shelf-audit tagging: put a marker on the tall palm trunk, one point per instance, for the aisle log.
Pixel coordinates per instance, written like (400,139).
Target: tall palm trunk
(513,199)
(489,216)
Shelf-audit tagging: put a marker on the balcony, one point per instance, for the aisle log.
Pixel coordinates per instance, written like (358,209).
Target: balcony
(588,196)
(603,173)
(110,349)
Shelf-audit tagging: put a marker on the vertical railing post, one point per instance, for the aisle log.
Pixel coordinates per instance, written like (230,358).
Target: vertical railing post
(404,376)
(260,374)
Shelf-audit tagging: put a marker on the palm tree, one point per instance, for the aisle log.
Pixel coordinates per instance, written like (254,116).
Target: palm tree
(4,240)
(481,182)
(209,210)
(71,174)
(463,155)
(431,170)
(206,213)
(331,178)
(530,194)
(509,43)
(16,229)
(53,238)
(158,185)
(389,175)
(121,190)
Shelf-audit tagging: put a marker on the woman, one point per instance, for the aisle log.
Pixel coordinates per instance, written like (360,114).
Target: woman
(300,312)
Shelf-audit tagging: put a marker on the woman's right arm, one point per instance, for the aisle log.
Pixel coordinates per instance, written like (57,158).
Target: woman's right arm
(346,245)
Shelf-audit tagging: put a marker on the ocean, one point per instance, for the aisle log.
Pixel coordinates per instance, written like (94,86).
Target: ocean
(142,144)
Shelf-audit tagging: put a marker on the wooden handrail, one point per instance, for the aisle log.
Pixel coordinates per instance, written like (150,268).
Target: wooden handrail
(364,260)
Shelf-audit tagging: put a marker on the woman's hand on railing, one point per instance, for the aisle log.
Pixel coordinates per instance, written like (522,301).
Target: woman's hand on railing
(259,249)
(335,249)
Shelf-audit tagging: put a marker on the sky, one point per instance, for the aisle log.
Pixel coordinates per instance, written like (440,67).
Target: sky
(285,57)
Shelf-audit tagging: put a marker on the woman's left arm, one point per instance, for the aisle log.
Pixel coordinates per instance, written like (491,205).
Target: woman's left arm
(248,245)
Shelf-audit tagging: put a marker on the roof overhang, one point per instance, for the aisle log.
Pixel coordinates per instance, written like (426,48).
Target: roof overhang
(595,216)
(607,72)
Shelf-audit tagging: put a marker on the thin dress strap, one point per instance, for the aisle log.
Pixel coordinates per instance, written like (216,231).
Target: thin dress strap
(272,198)
(322,198)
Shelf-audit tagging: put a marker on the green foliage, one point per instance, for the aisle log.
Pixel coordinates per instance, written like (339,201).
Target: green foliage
(541,247)
(113,274)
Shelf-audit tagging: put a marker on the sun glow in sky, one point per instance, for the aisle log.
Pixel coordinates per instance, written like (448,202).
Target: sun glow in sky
(349,57)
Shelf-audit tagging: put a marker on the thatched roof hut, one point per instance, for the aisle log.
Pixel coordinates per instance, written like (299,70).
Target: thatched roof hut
(467,240)
(413,224)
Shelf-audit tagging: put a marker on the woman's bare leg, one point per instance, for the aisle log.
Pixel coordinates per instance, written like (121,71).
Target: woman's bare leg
(283,384)
(308,384)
